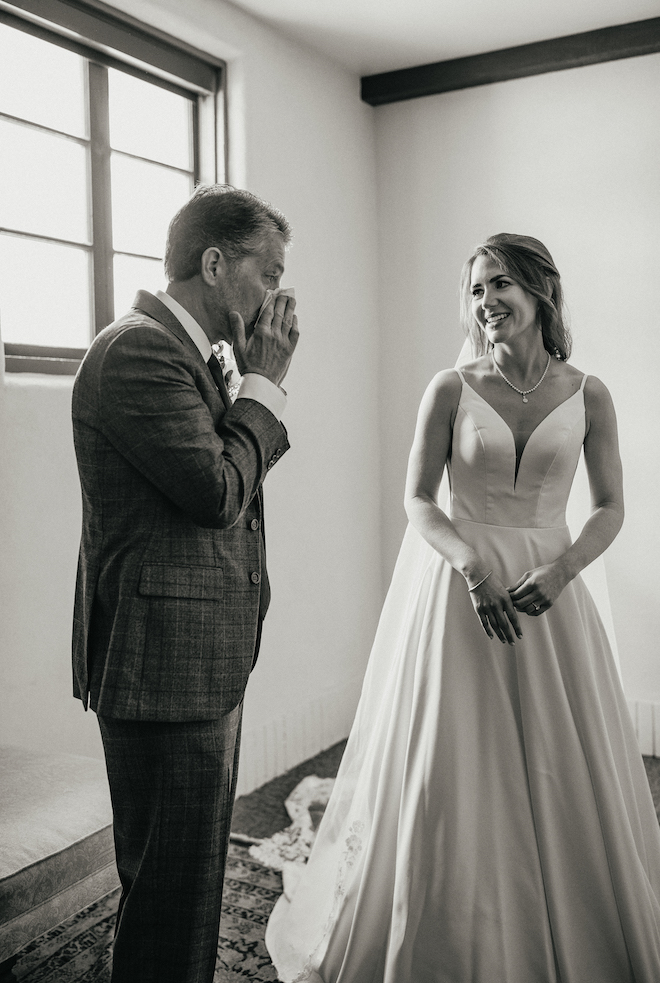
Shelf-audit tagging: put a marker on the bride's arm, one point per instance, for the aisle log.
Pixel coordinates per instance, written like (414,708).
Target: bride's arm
(601,454)
(428,456)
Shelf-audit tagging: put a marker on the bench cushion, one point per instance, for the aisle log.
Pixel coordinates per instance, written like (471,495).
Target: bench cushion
(56,846)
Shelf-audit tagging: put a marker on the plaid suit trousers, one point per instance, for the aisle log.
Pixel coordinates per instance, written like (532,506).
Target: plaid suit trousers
(172,787)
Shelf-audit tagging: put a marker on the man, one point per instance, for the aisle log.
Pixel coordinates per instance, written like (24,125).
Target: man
(172,584)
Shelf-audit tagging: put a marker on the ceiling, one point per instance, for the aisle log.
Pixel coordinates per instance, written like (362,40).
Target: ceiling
(372,36)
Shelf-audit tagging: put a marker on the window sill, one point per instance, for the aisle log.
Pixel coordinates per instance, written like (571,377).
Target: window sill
(44,361)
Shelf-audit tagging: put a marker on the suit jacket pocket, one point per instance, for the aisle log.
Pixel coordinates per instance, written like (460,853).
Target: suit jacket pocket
(165,580)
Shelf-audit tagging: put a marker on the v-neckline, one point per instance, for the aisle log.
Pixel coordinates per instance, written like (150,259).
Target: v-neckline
(513,436)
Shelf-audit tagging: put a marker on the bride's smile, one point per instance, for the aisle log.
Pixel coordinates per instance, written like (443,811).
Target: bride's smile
(502,307)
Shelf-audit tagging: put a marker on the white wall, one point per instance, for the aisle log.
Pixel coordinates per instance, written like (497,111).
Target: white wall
(572,158)
(301,138)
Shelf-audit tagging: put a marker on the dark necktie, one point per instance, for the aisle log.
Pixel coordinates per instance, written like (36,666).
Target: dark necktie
(215,368)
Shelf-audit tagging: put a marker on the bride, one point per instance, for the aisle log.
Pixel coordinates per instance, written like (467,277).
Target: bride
(491,821)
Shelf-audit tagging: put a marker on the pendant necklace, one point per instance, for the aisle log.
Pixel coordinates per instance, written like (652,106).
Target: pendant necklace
(524,393)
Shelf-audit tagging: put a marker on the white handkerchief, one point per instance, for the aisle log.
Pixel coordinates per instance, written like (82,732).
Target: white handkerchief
(286,291)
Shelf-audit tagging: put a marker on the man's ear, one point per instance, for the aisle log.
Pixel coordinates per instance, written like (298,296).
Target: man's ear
(213,266)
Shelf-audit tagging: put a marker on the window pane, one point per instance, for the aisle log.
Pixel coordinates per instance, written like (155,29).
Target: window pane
(132,273)
(45,295)
(43,183)
(144,199)
(149,121)
(41,82)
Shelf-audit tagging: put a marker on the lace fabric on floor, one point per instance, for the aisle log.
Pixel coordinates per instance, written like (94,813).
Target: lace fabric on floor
(288,849)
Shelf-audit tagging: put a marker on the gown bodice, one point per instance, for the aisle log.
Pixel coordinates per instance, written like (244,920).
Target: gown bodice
(484,484)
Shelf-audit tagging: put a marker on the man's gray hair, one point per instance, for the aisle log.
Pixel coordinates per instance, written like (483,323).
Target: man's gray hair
(234,220)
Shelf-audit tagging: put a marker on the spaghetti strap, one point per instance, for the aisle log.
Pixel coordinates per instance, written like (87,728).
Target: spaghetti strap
(461,376)
(584,379)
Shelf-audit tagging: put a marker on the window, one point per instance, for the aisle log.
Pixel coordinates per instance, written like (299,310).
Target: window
(98,152)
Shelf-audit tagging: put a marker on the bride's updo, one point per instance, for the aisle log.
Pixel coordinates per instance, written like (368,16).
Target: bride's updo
(528,262)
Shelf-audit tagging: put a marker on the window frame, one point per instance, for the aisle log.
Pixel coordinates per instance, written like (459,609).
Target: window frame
(115,40)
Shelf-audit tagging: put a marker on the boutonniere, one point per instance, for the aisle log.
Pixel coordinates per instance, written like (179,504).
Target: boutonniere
(231,375)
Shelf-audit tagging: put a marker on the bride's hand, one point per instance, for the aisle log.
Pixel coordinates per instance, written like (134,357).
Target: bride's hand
(537,590)
(495,610)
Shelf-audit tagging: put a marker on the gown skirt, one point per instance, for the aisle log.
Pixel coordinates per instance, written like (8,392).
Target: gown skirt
(491,821)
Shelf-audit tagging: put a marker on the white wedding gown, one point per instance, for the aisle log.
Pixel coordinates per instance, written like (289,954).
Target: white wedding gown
(491,820)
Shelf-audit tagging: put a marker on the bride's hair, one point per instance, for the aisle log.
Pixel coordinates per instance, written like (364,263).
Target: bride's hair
(528,262)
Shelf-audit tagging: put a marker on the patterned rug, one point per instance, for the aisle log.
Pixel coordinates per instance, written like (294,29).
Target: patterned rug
(79,950)
(251,891)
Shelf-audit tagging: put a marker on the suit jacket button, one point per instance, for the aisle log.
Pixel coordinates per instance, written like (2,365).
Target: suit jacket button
(254,525)
(255,578)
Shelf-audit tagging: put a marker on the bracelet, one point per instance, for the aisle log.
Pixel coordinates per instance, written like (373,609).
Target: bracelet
(470,589)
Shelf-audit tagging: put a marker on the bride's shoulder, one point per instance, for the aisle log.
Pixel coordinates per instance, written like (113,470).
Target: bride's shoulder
(592,385)
(442,396)
(444,384)
(451,380)
(597,396)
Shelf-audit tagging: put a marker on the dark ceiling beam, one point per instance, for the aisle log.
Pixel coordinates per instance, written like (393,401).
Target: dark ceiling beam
(606,44)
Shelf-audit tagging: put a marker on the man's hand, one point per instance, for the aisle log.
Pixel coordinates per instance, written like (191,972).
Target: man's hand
(269,349)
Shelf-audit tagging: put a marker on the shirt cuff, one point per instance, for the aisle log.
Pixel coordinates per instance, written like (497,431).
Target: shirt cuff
(261,389)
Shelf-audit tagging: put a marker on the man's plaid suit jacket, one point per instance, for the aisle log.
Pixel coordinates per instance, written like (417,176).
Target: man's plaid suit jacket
(172,580)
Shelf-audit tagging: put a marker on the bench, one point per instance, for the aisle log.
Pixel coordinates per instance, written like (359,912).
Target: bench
(56,846)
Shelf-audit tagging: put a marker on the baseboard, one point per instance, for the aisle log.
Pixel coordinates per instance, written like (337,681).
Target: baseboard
(272,747)
(646,718)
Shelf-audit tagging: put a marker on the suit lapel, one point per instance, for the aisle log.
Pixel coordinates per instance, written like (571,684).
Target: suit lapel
(153,307)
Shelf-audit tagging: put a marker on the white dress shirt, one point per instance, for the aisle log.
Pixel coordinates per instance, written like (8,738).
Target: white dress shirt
(253,385)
